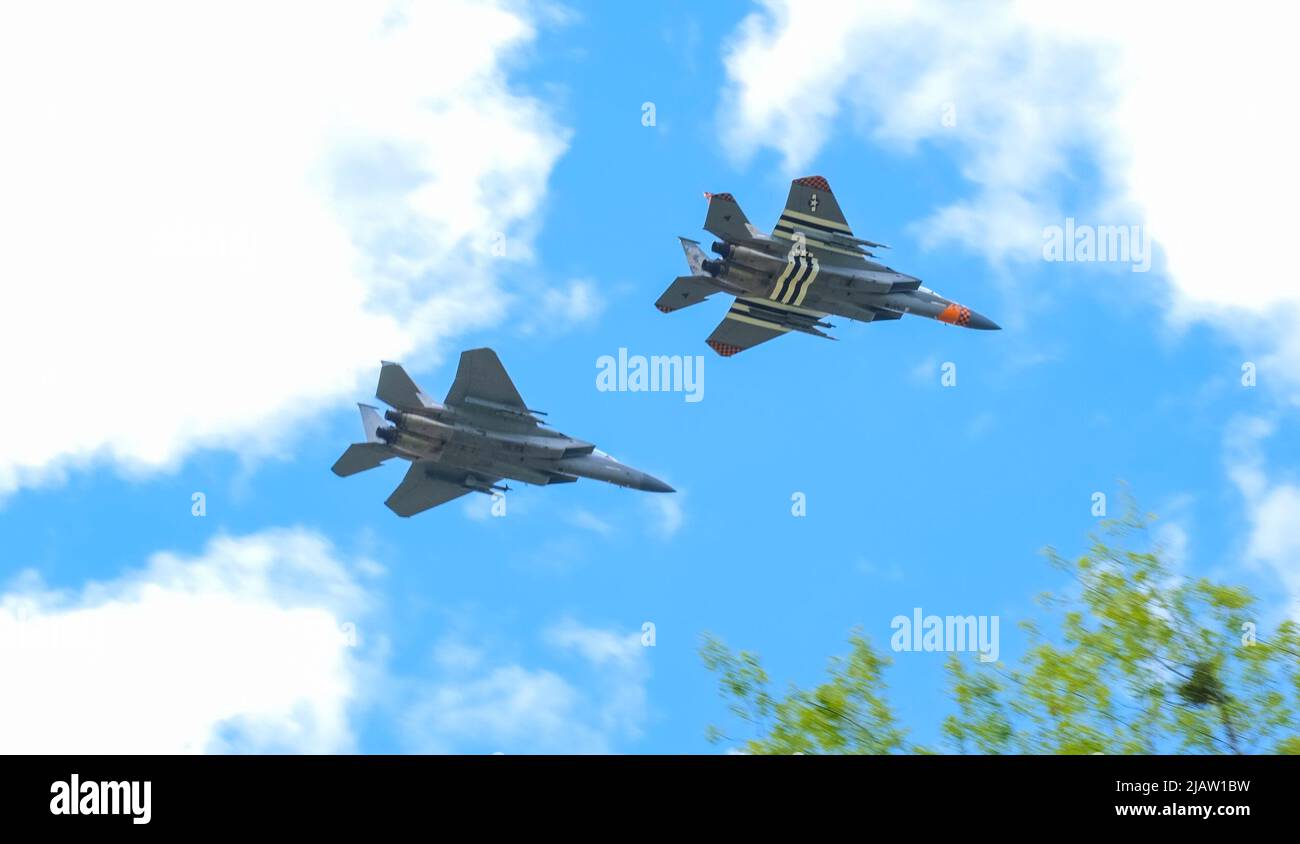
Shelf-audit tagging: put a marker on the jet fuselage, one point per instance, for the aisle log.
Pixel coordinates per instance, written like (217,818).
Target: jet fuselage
(854,292)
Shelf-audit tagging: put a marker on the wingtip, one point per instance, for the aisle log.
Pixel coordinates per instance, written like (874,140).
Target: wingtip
(815,182)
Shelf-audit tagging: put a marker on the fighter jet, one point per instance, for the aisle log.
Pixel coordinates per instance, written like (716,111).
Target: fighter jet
(810,267)
(479,434)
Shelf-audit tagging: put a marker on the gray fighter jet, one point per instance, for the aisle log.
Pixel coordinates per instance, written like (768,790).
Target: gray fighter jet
(809,267)
(481,433)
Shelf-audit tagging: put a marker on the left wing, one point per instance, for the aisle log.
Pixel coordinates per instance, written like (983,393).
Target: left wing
(482,382)
(812,222)
(421,490)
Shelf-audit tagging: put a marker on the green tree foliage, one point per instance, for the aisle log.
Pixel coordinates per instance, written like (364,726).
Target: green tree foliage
(1130,658)
(846,714)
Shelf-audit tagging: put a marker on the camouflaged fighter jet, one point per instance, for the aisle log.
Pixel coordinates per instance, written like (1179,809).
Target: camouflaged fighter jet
(480,433)
(809,267)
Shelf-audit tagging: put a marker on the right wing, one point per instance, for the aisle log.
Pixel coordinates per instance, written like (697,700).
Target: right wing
(421,490)
(751,321)
(741,329)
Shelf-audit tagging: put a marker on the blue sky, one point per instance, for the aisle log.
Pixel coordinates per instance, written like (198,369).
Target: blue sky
(528,627)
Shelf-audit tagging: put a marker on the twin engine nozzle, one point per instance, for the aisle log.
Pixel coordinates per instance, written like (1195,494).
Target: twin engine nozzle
(717,268)
(412,424)
(388,433)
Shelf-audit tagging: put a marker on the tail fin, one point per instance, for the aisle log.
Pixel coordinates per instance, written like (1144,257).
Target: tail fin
(695,256)
(398,390)
(371,421)
(725,219)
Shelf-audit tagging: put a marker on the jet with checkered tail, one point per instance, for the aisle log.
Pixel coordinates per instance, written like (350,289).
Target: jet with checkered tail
(479,435)
(809,267)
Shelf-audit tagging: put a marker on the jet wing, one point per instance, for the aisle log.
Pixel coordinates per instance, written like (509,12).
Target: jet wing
(481,381)
(812,219)
(420,490)
(740,329)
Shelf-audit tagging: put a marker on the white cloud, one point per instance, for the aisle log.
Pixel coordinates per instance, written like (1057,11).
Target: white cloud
(267,643)
(891,572)
(514,708)
(925,372)
(588,520)
(558,309)
(1272,506)
(216,221)
(667,513)
(246,647)
(1196,142)
(1170,532)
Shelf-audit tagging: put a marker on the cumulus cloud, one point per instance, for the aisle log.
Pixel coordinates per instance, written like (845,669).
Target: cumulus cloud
(1029,98)
(217,220)
(1272,505)
(558,309)
(506,706)
(269,642)
(250,646)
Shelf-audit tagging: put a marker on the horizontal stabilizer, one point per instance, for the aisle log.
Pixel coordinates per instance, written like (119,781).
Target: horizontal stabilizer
(686,290)
(361,456)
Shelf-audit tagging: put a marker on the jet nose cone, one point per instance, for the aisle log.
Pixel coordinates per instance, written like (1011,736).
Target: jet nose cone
(983,323)
(649,483)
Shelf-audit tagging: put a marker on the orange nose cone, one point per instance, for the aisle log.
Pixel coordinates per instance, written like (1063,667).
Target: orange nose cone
(954,314)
